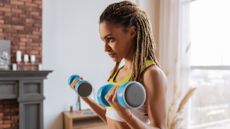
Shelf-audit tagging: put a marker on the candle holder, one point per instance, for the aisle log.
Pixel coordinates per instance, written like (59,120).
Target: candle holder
(78,103)
(18,59)
(26,58)
(33,60)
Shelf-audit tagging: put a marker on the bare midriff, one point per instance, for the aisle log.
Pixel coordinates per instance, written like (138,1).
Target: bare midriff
(112,124)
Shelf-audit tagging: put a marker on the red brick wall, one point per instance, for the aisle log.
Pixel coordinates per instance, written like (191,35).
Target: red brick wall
(9,114)
(21,22)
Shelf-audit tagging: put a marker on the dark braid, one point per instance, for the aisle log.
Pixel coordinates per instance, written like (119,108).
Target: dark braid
(128,14)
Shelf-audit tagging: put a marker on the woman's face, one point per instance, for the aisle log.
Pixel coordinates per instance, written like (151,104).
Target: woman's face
(118,41)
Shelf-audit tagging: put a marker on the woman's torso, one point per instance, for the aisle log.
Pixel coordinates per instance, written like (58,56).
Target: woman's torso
(114,121)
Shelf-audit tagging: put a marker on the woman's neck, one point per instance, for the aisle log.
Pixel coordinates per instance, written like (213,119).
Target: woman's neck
(128,65)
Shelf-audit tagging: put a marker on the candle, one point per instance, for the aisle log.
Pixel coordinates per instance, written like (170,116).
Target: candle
(40,67)
(18,56)
(14,67)
(32,59)
(26,58)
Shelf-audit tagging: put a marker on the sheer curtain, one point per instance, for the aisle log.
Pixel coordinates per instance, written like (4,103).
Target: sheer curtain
(174,44)
(170,22)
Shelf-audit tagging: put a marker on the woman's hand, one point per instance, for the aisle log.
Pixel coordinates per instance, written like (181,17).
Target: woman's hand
(111,98)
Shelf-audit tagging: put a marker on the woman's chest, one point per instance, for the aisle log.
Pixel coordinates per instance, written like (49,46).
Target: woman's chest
(121,75)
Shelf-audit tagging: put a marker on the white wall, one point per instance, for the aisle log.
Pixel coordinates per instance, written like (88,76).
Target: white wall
(71,44)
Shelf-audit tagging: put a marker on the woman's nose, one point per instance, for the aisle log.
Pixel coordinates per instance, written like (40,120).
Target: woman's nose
(107,47)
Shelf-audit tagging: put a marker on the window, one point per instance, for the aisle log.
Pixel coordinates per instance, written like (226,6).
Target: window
(210,64)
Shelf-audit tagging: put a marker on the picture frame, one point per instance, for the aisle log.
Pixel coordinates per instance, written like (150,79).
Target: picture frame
(5,54)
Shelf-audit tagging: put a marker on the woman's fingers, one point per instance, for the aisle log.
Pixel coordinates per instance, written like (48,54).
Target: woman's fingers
(109,96)
(115,96)
(74,82)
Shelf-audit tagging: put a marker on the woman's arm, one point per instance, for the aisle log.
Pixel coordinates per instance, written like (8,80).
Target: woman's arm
(156,88)
(97,108)
(155,84)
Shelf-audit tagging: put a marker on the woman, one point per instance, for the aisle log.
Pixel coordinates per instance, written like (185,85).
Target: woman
(127,35)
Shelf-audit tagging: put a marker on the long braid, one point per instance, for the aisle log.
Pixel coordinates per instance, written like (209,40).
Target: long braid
(128,14)
(114,70)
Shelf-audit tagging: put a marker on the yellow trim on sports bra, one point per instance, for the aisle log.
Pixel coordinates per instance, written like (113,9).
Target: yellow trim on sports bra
(122,81)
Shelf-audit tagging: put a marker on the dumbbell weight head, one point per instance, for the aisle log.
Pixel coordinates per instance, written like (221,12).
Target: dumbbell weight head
(102,91)
(131,94)
(82,87)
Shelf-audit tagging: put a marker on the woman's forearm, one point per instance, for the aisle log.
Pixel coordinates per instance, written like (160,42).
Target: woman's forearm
(97,108)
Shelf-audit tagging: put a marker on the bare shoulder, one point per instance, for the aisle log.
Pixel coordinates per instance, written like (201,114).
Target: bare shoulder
(153,76)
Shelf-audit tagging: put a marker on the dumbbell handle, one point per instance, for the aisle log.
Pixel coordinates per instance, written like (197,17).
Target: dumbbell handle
(83,88)
(75,81)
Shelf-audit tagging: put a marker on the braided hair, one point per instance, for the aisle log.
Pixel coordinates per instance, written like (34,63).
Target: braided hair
(127,14)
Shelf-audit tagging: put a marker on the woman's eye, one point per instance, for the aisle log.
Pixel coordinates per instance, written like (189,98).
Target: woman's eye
(110,40)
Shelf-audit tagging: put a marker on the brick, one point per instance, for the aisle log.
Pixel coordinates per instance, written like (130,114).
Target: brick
(22,47)
(5,126)
(7,122)
(4,1)
(5,9)
(16,2)
(39,2)
(29,4)
(29,20)
(27,1)
(1,36)
(21,22)
(18,27)
(35,13)
(15,10)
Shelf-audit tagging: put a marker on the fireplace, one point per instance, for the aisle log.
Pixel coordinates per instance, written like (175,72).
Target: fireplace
(21,99)
(9,115)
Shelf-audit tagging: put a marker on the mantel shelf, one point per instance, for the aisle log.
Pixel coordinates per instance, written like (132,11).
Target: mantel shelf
(42,73)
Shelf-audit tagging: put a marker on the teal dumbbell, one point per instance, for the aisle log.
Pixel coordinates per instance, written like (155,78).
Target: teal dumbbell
(129,95)
(82,87)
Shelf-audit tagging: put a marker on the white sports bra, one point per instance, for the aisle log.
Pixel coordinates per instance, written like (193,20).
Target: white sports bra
(140,112)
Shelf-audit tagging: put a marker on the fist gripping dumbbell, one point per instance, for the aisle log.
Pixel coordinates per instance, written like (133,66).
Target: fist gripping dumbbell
(129,95)
(82,87)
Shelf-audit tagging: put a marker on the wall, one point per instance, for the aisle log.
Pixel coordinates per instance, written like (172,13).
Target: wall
(21,22)
(71,45)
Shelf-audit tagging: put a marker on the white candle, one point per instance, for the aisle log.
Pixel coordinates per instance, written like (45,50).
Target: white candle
(14,67)
(32,59)
(40,67)
(18,56)
(26,58)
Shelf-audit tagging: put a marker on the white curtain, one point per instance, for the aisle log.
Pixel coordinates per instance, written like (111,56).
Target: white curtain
(174,44)
(170,22)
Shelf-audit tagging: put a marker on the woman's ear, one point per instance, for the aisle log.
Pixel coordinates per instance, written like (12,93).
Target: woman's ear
(132,31)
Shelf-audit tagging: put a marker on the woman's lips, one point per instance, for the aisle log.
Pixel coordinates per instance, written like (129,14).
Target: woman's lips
(111,54)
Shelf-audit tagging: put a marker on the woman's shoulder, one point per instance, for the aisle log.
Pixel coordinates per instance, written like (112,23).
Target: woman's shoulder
(153,75)
(153,70)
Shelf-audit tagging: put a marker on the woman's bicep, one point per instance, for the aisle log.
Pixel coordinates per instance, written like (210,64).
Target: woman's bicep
(155,84)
